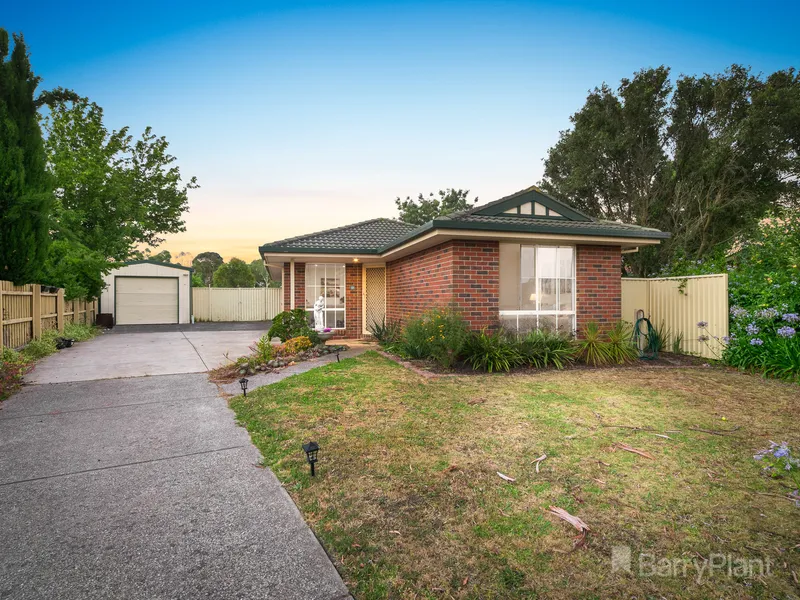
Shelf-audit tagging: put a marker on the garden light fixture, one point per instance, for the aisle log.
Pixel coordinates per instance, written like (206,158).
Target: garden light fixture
(311,449)
(243,383)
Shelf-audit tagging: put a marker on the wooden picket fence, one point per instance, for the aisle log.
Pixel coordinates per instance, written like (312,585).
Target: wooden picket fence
(26,311)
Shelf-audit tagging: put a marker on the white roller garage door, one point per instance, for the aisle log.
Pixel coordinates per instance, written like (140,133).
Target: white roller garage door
(146,300)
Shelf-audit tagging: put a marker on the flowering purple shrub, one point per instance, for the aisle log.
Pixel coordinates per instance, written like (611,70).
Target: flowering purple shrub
(780,462)
(764,294)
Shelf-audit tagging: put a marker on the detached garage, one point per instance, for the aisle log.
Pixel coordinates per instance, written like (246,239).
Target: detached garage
(145,292)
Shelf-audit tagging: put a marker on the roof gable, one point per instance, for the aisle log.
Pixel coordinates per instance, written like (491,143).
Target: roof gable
(531,202)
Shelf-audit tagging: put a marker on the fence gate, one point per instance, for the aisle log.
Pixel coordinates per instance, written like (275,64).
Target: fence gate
(679,304)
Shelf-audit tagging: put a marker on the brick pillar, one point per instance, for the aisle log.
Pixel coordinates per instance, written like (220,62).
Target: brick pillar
(599,285)
(287,286)
(299,285)
(353,301)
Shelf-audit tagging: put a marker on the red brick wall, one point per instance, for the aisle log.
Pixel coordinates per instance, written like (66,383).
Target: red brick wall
(476,282)
(459,272)
(599,285)
(418,282)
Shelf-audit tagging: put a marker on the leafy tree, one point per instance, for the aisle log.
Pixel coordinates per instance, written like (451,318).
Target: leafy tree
(234,274)
(205,264)
(26,195)
(260,273)
(705,158)
(164,256)
(422,210)
(113,192)
(197,281)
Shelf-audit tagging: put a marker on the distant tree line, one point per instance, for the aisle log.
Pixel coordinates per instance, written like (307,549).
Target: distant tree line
(211,270)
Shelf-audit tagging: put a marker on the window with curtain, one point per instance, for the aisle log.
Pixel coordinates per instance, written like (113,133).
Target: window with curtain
(326,280)
(537,287)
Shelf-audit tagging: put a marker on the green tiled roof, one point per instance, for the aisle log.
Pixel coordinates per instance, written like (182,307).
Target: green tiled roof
(366,237)
(380,235)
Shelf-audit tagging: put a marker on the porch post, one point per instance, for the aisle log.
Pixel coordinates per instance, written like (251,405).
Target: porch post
(291,280)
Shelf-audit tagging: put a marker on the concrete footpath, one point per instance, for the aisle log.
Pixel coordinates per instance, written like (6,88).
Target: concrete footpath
(145,487)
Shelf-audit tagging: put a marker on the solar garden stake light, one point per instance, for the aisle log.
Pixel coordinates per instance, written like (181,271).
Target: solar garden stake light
(311,449)
(243,384)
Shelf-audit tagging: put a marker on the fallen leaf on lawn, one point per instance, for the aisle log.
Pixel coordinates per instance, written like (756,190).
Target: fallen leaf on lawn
(465,582)
(506,477)
(627,448)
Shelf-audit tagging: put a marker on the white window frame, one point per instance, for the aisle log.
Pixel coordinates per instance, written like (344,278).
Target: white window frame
(537,313)
(333,309)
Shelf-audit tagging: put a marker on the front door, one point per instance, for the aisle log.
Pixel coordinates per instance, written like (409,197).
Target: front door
(374,296)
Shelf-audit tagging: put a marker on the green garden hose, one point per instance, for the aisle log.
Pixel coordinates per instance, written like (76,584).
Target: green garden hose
(648,350)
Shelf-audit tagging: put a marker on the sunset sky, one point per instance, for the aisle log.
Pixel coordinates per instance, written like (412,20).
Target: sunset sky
(301,116)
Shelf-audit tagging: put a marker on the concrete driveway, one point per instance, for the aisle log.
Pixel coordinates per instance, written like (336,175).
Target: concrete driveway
(149,350)
(144,487)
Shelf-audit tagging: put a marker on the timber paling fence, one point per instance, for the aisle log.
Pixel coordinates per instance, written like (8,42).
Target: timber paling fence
(26,311)
(679,304)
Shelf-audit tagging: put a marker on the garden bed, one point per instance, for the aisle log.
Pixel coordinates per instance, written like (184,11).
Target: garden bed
(664,360)
(409,503)
(254,363)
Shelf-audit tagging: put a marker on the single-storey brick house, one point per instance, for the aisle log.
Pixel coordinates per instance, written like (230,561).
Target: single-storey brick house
(527,260)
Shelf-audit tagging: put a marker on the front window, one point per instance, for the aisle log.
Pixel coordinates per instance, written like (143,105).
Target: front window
(537,287)
(326,280)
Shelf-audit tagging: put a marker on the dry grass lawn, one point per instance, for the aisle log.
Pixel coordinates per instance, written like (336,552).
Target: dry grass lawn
(408,502)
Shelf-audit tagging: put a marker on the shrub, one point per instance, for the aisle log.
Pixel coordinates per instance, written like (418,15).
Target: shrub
(44,346)
(779,462)
(12,368)
(297,344)
(592,348)
(385,332)
(492,352)
(621,349)
(439,334)
(765,340)
(80,332)
(541,349)
(291,324)
(262,349)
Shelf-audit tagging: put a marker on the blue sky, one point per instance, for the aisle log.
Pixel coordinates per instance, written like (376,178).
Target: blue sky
(302,116)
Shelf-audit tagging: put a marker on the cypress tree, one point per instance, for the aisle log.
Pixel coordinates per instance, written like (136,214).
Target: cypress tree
(26,196)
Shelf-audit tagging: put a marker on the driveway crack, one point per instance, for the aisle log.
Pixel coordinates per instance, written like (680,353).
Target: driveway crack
(130,464)
(183,333)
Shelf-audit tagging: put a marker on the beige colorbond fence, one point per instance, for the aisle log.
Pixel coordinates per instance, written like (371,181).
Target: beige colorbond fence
(26,311)
(680,303)
(236,304)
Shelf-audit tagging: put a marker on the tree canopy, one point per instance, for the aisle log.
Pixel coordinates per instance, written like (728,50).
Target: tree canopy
(205,264)
(705,158)
(234,274)
(26,193)
(113,192)
(422,210)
